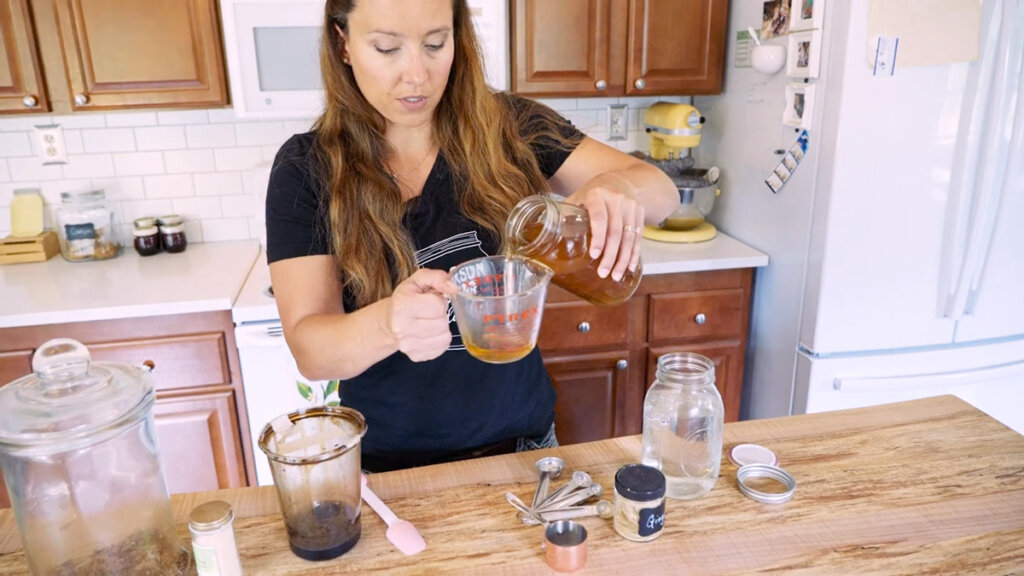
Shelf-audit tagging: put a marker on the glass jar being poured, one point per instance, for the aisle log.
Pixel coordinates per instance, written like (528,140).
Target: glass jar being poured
(79,455)
(558,235)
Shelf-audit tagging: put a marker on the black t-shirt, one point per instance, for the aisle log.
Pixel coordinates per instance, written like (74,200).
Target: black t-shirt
(419,412)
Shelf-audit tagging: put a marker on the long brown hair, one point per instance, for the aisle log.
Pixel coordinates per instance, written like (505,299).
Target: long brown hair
(484,138)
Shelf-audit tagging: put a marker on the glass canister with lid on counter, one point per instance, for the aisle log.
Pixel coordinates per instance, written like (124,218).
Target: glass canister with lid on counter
(87,227)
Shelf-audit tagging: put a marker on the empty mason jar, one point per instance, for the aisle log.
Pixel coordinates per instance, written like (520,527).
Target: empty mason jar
(683,421)
(558,235)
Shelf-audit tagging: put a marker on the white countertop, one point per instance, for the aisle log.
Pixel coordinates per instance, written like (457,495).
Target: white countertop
(205,277)
(720,253)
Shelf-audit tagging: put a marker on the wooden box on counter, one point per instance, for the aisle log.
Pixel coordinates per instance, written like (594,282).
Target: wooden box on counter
(601,360)
(38,248)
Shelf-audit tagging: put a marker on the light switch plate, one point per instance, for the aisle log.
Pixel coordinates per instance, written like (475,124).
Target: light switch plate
(51,144)
(618,121)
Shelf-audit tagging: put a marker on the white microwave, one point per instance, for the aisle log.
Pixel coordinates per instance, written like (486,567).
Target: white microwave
(272,51)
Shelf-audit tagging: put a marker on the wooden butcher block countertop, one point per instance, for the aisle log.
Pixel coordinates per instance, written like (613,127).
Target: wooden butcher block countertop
(927,486)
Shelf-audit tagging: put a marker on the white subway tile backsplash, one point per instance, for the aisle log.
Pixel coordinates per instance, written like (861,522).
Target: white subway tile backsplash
(189,161)
(15,144)
(199,163)
(131,119)
(260,134)
(169,186)
(237,206)
(210,135)
(221,115)
(107,140)
(121,189)
(89,166)
(182,117)
(221,229)
(140,208)
(72,142)
(218,184)
(80,120)
(240,158)
(32,168)
(160,138)
(139,163)
(198,208)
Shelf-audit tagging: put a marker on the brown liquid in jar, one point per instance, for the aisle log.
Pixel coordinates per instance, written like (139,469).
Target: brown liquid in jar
(574,270)
(327,531)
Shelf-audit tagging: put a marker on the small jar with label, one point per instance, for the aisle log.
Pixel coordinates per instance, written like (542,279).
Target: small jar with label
(147,240)
(172,233)
(213,540)
(87,227)
(639,502)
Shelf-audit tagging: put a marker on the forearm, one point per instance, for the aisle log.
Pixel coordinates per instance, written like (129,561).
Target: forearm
(651,187)
(341,346)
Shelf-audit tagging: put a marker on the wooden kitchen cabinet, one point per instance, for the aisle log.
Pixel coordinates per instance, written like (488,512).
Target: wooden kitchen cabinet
(110,54)
(199,413)
(611,48)
(601,360)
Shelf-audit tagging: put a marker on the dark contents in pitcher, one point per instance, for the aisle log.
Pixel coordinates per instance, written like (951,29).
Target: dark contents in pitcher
(146,553)
(327,531)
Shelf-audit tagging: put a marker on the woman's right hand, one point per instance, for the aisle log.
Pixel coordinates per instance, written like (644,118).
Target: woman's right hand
(417,317)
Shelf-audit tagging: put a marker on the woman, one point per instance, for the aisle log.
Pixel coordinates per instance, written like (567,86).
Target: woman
(413,168)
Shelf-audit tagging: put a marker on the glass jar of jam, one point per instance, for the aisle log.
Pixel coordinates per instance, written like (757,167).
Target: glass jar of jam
(147,240)
(172,232)
(558,234)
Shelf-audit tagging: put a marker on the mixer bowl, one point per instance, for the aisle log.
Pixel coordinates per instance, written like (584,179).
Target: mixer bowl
(697,194)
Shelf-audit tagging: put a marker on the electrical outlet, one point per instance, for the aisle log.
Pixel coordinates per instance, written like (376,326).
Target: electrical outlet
(618,121)
(51,144)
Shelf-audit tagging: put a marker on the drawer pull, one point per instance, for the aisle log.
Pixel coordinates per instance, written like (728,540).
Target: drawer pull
(583,327)
(700,319)
(149,365)
(621,365)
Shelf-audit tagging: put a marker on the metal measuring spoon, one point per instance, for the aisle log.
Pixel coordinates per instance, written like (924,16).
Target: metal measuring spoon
(550,467)
(602,509)
(572,498)
(530,515)
(578,479)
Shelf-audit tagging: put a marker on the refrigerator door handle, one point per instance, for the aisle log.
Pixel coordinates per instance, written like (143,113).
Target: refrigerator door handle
(856,384)
(997,82)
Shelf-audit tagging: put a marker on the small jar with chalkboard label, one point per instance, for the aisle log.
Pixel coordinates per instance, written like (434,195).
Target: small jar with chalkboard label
(639,502)
(87,227)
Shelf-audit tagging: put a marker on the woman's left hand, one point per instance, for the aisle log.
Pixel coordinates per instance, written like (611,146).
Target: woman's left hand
(616,222)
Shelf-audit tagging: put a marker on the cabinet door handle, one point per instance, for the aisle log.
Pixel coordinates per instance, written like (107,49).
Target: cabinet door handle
(640,84)
(149,365)
(81,99)
(583,327)
(700,319)
(621,365)
(600,84)
(29,101)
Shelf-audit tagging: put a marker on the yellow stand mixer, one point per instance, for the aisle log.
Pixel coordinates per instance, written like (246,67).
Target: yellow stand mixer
(671,129)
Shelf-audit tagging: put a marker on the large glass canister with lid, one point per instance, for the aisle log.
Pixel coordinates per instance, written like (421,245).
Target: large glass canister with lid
(79,455)
(87,227)
(683,424)
(558,234)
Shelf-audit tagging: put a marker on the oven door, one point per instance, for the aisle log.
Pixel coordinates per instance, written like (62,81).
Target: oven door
(272,51)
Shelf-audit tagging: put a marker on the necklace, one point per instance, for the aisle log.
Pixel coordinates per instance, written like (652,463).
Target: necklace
(395,176)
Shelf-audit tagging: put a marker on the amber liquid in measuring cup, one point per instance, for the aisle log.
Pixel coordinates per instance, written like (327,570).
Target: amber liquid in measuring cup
(558,235)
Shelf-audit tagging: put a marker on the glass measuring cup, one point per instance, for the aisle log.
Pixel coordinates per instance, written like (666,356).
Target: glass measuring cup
(315,462)
(499,306)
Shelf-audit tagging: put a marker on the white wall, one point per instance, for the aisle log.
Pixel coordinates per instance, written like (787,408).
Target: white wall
(195,163)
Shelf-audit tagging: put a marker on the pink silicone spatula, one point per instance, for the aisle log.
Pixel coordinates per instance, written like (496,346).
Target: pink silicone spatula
(400,532)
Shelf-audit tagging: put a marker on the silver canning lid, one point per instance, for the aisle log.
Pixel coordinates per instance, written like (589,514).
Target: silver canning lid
(210,516)
(743,454)
(765,471)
